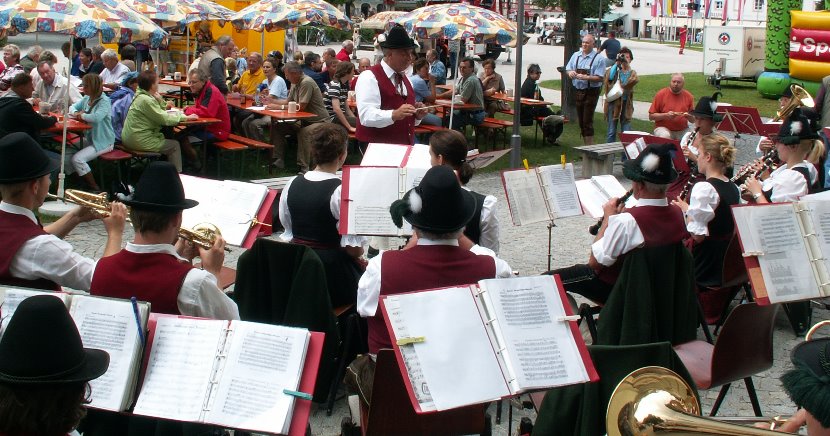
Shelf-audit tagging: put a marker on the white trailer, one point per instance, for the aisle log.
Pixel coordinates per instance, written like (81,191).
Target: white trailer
(733,53)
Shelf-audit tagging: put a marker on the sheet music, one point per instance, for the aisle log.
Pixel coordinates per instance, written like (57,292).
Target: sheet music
(180,368)
(11,297)
(541,349)
(774,231)
(819,224)
(633,149)
(560,186)
(596,191)
(371,191)
(227,204)
(456,360)
(525,197)
(384,155)
(262,360)
(110,325)
(419,157)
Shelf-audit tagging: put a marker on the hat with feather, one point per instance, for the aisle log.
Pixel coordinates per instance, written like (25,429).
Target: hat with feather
(796,128)
(653,165)
(438,204)
(808,383)
(707,107)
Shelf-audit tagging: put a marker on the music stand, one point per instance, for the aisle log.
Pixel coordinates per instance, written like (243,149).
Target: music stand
(746,120)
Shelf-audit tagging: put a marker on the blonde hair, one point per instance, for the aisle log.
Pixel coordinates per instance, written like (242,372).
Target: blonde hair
(720,148)
(815,152)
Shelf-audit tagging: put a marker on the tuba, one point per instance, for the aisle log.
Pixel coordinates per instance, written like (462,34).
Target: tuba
(800,98)
(657,401)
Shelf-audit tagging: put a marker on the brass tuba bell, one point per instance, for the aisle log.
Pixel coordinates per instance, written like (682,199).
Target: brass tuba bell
(656,401)
(800,98)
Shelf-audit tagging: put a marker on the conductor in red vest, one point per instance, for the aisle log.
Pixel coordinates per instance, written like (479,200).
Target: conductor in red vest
(386,106)
(438,209)
(652,222)
(151,268)
(35,256)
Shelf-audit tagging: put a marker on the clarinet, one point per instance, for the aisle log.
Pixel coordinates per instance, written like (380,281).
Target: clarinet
(594,229)
(769,159)
(693,172)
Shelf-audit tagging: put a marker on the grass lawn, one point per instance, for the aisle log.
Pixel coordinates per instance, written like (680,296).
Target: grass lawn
(735,93)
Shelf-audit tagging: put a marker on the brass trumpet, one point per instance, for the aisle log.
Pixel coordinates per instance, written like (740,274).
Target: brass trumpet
(657,401)
(800,98)
(202,234)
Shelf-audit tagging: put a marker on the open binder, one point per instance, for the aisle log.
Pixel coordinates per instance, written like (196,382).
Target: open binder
(236,374)
(238,209)
(368,192)
(108,324)
(678,159)
(541,194)
(396,155)
(477,343)
(596,191)
(785,248)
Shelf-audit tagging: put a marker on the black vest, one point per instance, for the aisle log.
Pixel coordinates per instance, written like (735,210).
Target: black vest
(311,218)
(473,229)
(723,224)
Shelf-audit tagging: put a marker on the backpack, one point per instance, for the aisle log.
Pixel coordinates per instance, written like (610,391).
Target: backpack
(552,128)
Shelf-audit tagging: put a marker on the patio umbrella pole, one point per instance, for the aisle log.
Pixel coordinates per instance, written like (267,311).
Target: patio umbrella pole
(516,138)
(187,50)
(62,174)
(452,98)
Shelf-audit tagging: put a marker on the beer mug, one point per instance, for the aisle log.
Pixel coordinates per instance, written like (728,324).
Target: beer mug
(293,107)
(351,95)
(177,76)
(457,99)
(44,107)
(508,92)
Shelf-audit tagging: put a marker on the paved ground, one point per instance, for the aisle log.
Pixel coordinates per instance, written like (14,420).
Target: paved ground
(525,248)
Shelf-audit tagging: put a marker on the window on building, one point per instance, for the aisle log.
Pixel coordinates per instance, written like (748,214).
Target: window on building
(718,4)
(759,4)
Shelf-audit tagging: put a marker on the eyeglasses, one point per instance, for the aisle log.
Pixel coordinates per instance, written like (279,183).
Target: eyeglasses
(193,82)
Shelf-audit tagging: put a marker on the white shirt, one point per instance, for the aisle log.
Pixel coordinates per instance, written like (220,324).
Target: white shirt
(48,257)
(200,294)
(114,75)
(703,200)
(787,184)
(367,95)
(277,87)
(56,93)
(489,224)
(368,288)
(622,234)
(334,207)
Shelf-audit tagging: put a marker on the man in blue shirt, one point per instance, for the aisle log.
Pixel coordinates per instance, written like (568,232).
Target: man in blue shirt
(436,68)
(313,68)
(611,46)
(423,93)
(586,70)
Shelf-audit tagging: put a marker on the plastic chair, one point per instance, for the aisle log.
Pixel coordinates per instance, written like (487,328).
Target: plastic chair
(733,278)
(743,349)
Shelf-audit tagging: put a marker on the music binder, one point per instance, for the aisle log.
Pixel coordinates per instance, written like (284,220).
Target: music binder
(785,247)
(366,195)
(396,155)
(476,343)
(551,185)
(236,374)
(678,159)
(596,191)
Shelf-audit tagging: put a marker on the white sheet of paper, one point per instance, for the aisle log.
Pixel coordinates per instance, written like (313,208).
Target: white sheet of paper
(179,369)
(457,359)
(525,197)
(262,360)
(110,325)
(229,205)
(384,155)
(11,297)
(559,184)
(819,214)
(419,157)
(371,191)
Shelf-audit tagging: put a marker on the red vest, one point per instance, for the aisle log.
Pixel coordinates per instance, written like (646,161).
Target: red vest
(660,225)
(424,267)
(15,230)
(153,277)
(401,131)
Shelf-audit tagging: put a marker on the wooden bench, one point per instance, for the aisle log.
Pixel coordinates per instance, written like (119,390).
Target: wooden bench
(497,125)
(116,156)
(241,143)
(138,157)
(598,159)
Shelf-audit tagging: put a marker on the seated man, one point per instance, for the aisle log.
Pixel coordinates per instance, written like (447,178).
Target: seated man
(35,256)
(653,222)
(17,115)
(209,103)
(471,93)
(52,88)
(670,109)
(151,268)
(113,70)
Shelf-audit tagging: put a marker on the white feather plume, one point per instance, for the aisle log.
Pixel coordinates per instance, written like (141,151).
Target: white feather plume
(415,202)
(650,163)
(126,197)
(714,105)
(795,127)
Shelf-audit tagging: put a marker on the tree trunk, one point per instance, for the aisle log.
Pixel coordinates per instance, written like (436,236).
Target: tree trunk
(572,44)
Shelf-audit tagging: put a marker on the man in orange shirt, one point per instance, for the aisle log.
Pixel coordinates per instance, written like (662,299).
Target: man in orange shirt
(670,109)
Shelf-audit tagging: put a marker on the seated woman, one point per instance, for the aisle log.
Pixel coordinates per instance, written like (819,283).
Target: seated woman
(337,94)
(449,147)
(95,109)
(552,125)
(491,83)
(146,118)
(310,212)
(708,215)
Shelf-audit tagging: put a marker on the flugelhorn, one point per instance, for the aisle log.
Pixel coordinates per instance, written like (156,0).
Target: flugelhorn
(656,401)
(203,234)
(800,98)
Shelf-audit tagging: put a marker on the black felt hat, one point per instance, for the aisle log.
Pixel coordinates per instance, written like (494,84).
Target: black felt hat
(22,159)
(397,38)
(439,204)
(159,189)
(707,108)
(653,165)
(795,128)
(41,345)
(808,384)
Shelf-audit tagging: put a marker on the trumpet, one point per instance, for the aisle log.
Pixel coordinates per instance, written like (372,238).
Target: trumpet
(656,401)
(203,234)
(800,98)
(594,229)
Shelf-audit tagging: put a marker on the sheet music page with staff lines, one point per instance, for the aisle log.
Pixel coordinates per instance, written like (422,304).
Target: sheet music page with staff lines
(420,387)
(816,221)
(229,205)
(371,191)
(560,187)
(525,197)
(11,297)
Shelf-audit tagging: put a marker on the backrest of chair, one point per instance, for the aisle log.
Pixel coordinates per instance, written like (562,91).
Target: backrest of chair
(744,346)
(734,269)
(391,411)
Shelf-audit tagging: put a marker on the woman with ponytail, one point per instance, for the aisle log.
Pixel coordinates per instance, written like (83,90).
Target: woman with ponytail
(449,147)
